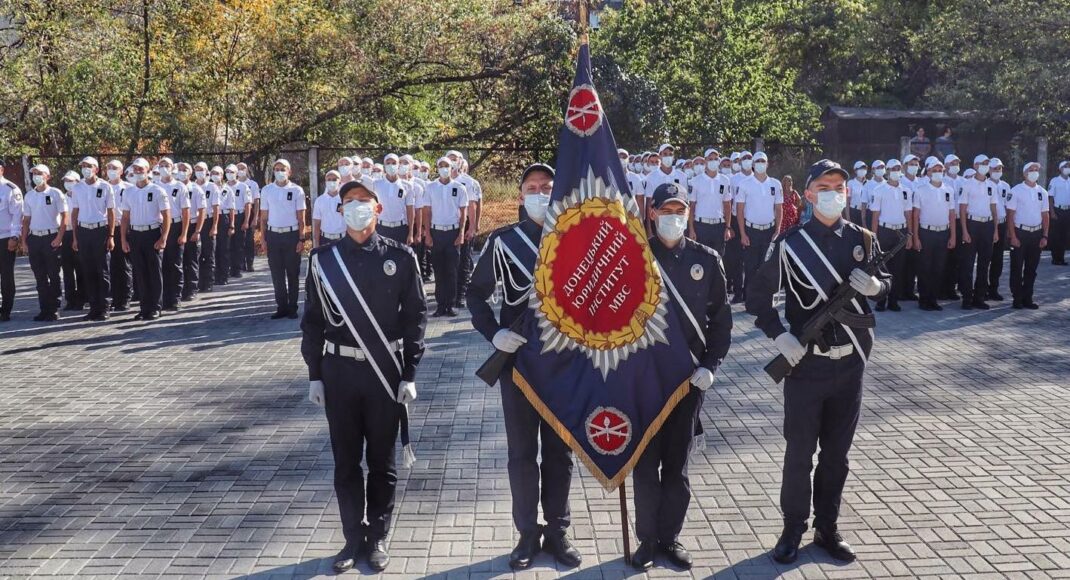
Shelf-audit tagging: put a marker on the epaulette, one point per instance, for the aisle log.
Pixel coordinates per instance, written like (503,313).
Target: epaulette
(397,246)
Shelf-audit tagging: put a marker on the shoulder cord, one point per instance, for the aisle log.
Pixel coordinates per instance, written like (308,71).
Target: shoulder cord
(330,310)
(794,279)
(504,275)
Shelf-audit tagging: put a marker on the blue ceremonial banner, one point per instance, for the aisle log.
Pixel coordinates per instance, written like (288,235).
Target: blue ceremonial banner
(606,361)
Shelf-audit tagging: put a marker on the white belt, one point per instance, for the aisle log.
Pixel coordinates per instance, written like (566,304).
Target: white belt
(711,221)
(176,220)
(445,228)
(145,228)
(1029,228)
(942,228)
(285,230)
(835,352)
(332,236)
(92,226)
(44,232)
(387,224)
(893,226)
(352,351)
(983,220)
(759,227)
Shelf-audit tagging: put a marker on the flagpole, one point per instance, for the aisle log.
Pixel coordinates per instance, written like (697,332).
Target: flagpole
(584,20)
(624,522)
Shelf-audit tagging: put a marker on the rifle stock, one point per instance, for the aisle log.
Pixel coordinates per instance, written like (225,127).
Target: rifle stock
(491,368)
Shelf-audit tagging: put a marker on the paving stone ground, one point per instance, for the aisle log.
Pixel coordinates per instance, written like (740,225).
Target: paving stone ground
(188,447)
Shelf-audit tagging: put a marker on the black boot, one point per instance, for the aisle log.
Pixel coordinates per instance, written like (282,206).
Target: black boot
(677,554)
(377,556)
(643,558)
(347,558)
(834,544)
(562,549)
(525,551)
(786,550)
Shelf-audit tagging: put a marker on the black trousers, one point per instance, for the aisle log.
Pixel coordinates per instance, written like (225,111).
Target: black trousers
(662,487)
(931,264)
(7,278)
(711,235)
(523,430)
(45,264)
(96,268)
(207,258)
(978,252)
(733,262)
(1060,235)
(122,275)
(399,234)
(73,279)
(445,258)
(822,404)
(148,268)
(191,264)
(248,249)
(222,250)
(910,273)
(465,267)
(949,278)
(361,413)
(856,216)
(237,246)
(1024,261)
(995,268)
(888,238)
(173,258)
(754,254)
(285,265)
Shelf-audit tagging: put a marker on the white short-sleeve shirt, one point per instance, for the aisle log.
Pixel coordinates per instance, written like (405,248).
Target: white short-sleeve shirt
(282,202)
(197,199)
(934,203)
(10,210)
(893,202)
(242,195)
(761,198)
(325,209)
(978,197)
(92,201)
(710,195)
(44,208)
(1029,204)
(179,194)
(1059,190)
(445,199)
(857,190)
(395,196)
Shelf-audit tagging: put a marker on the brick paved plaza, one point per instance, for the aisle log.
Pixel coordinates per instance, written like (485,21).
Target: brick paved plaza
(188,447)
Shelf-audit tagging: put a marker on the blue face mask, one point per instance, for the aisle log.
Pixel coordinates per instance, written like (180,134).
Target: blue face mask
(831,203)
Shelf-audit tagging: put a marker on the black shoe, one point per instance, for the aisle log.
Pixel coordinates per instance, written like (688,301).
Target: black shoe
(1031,305)
(153,315)
(292,314)
(562,549)
(677,554)
(41,317)
(70,306)
(347,558)
(1017,305)
(101,317)
(120,308)
(89,317)
(910,297)
(235,275)
(525,551)
(928,307)
(737,299)
(278,314)
(1060,263)
(377,556)
(643,558)
(171,308)
(967,305)
(5,317)
(450,313)
(880,308)
(462,303)
(953,296)
(895,307)
(786,550)
(139,316)
(438,313)
(996,296)
(936,306)
(980,305)
(833,543)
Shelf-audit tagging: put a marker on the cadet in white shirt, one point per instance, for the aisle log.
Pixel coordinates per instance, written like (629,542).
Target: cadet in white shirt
(977,217)
(1059,190)
(228,227)
(120,270)
(663,173)
(759,207)
(73,279)
(949,281)
(146,227)
(911,165)
(346,171)
(248,246)
(934,232)
(93,214)
(890,208)
(711,205)
(44,220)
(173,254)
(206,179)
(282,218)
(475,208)
(10,230)
(855,197)
(879,170)
(1027,226)
(742,168)
(398,217)
(191,255)
(243,221)
(328,223)
(447,212)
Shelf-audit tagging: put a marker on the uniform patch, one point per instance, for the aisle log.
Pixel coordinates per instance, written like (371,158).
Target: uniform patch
(989,192)
(48,200)
(150,196)
(401,193)
(1040,196)
(772,190)
(1009,195)
(947,196)
(608,430)
(289,196)
(454,192)
(697,272)
(100,193)
(390,268)
(905,193)
(859,254)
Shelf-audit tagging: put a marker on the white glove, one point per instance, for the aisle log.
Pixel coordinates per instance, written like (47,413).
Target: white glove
(406,392)
(702,378)
(865,284)
(315,392)
(506,340)
(790,347)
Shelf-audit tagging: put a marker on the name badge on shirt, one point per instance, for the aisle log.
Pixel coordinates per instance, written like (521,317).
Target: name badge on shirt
(1040,196)
(289,196)
(100,193)
(772,190)
(454,192)
(947,196)
(989,192)
(48,200)
(676,181)
(721,189)
(174,192)
(904,195)
(401,193)
(150,196)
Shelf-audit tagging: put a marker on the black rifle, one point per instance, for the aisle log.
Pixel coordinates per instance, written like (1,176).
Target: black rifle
(491,368)
(835,311)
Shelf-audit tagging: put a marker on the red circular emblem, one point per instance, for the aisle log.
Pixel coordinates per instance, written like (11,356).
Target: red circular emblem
(608,430)
(584,114)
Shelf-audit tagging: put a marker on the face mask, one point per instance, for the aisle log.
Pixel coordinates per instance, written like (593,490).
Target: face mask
(280,176)
(443,172)
(139,177)
(895,175)
(953,170)
(690,171)
(1066,170)
(982,169)
(701,167)
(936,177)
(671,227)
(879,172)
(345,170)
(391,170)
(536,204)
(38,179)
(726,171)
(831,203)
(217,178)
(332,185)
(1033,176)
(624,164)
(651,167)
(912,170)
(87,172)
(860,173)
(746,164)
(156,178)
(760,167)
(996,175)
(365,170)
(181,175)
(113,174)
(422,174)
(165,172)
(242,173)
(199,175)
(736,167)
(666,160)
(405,168)
(358,214)
(67,185)
(231,176)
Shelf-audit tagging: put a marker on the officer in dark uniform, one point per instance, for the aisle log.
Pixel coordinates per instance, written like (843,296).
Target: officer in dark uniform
(823,393)
(509,258)
(345,371)
(696,279)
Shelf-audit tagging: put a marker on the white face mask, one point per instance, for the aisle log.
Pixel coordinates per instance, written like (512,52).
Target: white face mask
(242,173)
(365,170)
(231,176)
(895,175)
(671,226)
(87,172)
(952,170)
(726,171)
(1032,176)
(181,175)
(936,177)
(860,173)
(667,160)
(831,203)
(345,170)
(746,164)
(67,185)
(536,205)
(996,175)
(199,175)
(165,172)
(332,185)
(1066,170)
(405,169)
(443,172)
(38,179)
(700,168)
(736,167)
(391,170)
(912,170)
(651,167)
(113,174)
(760,167)
(217,177)
(359,214)
(139,178)
(982,170)
(879,172)
(689,171)
(280,176)
(422,174)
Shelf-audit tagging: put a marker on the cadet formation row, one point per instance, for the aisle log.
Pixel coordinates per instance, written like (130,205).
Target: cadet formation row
(160,235)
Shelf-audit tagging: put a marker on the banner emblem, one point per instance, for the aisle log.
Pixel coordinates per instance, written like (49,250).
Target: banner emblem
(608,430)
(584,115)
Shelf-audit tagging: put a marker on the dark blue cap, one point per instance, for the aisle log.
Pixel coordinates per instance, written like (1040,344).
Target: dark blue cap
(823,167)
(355,184)
(536,167)
(668,192)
